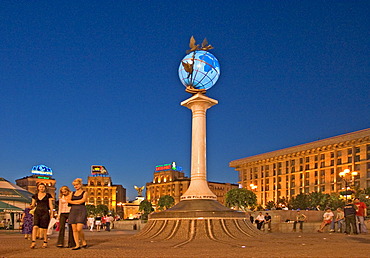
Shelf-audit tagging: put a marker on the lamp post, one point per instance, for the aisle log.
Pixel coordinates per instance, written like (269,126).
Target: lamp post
(344,174)
(121,209)
(253,187)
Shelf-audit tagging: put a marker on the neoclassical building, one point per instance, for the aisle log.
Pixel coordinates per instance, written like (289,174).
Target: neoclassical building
(101,190)
(169,179)
(309,167)
(40,174)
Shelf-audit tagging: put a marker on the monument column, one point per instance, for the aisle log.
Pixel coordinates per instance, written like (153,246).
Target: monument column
(198,189)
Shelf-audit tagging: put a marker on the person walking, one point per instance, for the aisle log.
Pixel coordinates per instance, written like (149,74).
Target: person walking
(78,214)
(63,215)
(360,216)
(108,222)
(43,213)
(27,223)
(98,222)
(90,222)
(350,217)
(300,218)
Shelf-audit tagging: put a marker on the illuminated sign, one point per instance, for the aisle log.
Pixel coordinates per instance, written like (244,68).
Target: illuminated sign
(170,166)
(42,170)
(98,170)
(43,177)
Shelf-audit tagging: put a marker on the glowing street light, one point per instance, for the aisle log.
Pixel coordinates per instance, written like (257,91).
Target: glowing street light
(253,187)
(346,173)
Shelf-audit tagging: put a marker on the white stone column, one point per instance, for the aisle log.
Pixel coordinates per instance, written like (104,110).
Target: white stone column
(198,188)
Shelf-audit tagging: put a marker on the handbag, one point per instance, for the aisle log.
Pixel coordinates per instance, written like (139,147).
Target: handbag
(32,211)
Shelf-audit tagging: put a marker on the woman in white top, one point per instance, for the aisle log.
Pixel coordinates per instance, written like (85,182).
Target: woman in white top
(63,214)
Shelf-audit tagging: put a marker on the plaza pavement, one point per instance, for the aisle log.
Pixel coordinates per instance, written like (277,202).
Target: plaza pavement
(121,243)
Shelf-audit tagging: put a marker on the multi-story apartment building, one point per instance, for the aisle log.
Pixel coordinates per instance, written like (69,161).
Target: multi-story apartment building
(309,167)
(170,180)
(100,190)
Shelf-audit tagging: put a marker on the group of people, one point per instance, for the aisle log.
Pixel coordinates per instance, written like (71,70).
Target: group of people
(100,222)
(72,209)
(350,219)
(262,221)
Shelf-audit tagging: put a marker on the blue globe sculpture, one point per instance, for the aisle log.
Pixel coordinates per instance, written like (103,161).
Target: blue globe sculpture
(199,70)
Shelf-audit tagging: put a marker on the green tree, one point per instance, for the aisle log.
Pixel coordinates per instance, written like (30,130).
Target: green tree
(101,209)
(165,202)
(241,198)
(319,200)
(270,205)
(91,209)
(146,207)
(364,196)
(335,201)
(300,201)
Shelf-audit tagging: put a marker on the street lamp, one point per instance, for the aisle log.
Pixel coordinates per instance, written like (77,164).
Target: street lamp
(344,175)
(253,187)
(120,204)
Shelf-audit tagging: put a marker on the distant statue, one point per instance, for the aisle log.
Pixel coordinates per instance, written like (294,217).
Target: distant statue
(139,190)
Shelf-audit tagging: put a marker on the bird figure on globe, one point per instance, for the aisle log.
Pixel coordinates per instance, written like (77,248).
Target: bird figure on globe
(199,69)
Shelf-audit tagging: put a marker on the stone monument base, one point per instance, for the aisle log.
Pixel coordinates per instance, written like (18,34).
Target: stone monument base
(198,219)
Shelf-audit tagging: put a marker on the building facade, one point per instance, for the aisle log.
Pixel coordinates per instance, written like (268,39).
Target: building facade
(100,189)
(40,174)
(168,179)
(308,167)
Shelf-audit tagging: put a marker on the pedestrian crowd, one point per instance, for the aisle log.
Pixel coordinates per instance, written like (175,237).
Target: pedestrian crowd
(38,219)
(349,220)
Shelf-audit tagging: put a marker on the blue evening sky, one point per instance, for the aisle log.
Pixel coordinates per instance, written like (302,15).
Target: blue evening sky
(96,82)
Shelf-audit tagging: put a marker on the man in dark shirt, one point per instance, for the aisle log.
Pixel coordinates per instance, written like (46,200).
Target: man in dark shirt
(267,221)
(350,217)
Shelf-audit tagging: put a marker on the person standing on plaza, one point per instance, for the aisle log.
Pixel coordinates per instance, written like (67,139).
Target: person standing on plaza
(260,219)
(267,221)
(90,222)
(360,216)
(300,218)
(43,213)
(108,222)
(104,222)
(27,223)
(251,218)
(328,217)
(63,215)
(350,217)
(98,222)
(78,214)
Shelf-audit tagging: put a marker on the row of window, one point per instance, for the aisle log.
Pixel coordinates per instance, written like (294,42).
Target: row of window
(279,172)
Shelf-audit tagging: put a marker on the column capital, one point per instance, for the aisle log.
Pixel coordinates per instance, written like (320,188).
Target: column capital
(199,98)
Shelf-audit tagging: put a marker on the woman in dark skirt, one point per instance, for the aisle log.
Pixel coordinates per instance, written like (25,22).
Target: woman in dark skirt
(78,214)
(43,213)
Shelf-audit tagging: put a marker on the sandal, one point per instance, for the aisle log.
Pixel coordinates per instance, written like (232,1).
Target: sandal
(33,245)
(45,244)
